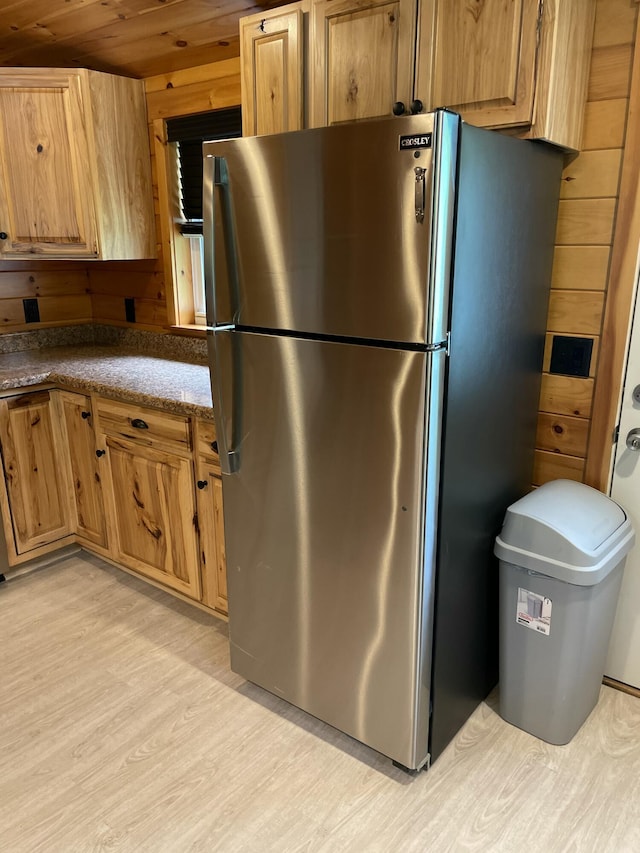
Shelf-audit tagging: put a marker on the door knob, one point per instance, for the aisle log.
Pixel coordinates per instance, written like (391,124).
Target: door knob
(633,439)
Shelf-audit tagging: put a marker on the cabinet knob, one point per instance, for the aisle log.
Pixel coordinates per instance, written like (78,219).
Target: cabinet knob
(85,415)
(138,423)
(214,446)
(398,108)
(201,484)
(100,453)
(3,235)
(416,106)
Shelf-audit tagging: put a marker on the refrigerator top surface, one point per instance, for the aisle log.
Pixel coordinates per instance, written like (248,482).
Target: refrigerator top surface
(329,231)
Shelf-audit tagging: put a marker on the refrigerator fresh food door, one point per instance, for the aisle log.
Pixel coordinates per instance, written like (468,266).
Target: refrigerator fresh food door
(333,231)
(329,561)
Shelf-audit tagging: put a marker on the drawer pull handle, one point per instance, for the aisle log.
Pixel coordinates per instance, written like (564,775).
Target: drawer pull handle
(138,423)
(100,453)
(214,446)
(202,484)
(85,415)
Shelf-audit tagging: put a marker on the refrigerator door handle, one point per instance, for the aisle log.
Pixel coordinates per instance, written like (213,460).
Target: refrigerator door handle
(228,443)
(216,175)
(420,196)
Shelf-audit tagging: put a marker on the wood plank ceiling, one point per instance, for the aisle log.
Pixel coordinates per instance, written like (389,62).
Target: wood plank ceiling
(138,38)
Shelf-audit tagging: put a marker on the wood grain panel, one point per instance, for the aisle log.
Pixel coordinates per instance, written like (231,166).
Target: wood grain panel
(163,430)
(624,256)
(548,344)
(163,36)
(151,537)
(610,72)
(562,72)
(169,82)
(273,71)
(148,312)
(580,267)
(143,285)
(37,487)
(11,312)
(32,283)
(212,545)
(604,124)
(575,311)
(54,309)
(462,76)
(615,23)
(364,51)
(80,453)
(562,434)
(196,97)
(585,221)
(593,174)
(556,466)
(566,395)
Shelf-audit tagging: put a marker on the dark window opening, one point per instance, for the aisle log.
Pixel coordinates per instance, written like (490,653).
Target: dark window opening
(189,132)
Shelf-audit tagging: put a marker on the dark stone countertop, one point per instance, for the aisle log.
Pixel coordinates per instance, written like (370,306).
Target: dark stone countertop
(177,386)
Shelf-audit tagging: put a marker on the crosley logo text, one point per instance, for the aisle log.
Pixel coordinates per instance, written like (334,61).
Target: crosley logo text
(410,142)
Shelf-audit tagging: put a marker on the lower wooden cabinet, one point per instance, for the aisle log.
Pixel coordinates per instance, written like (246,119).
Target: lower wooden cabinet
(37,509)
(137,485)
(211,524)
(88,507)
(153,514)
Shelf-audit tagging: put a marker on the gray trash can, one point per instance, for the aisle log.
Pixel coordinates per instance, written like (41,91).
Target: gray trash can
(562,550)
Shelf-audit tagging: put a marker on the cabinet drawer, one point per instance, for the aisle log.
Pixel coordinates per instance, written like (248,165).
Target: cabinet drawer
(207,444)
(146,426)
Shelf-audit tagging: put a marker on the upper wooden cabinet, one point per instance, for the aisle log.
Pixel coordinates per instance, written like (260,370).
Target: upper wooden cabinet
(521,66)
(479,58)
(272,45)
(75,174)
(362,58)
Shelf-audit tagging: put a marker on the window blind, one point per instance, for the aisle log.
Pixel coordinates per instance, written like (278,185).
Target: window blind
(189,132)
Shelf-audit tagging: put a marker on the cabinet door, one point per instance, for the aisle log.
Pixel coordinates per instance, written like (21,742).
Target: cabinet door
(89,510)
(479,59)
(211,524)
(45,175)
(362,58)
(272,62)
(154,516)
(37,488)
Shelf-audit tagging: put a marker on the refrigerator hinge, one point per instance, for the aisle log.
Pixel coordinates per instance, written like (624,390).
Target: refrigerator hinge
(441,345)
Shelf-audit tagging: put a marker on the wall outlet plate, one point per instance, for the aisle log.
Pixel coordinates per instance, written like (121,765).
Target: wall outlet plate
(31,310)
(130,310)
(571,356)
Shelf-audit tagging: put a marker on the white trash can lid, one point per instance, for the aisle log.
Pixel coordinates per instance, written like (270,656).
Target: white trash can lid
(566,530)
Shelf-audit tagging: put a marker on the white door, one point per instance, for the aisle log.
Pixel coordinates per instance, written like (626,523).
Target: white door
(623,662)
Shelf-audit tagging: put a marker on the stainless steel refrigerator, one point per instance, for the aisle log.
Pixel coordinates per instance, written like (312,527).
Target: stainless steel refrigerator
(376,303)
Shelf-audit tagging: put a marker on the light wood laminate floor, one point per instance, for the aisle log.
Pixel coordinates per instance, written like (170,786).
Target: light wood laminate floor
(123,729)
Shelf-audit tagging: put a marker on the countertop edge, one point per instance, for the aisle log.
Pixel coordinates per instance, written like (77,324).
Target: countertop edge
(117,392)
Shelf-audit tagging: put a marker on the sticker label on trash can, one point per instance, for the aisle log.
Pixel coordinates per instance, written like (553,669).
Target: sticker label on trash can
(533,611)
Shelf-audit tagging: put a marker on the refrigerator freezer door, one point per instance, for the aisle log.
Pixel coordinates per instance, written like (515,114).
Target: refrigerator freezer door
(329,231)
(330,602)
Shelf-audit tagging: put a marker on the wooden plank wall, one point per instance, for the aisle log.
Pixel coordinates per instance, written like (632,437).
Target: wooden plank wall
(60,287)
(586,217)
